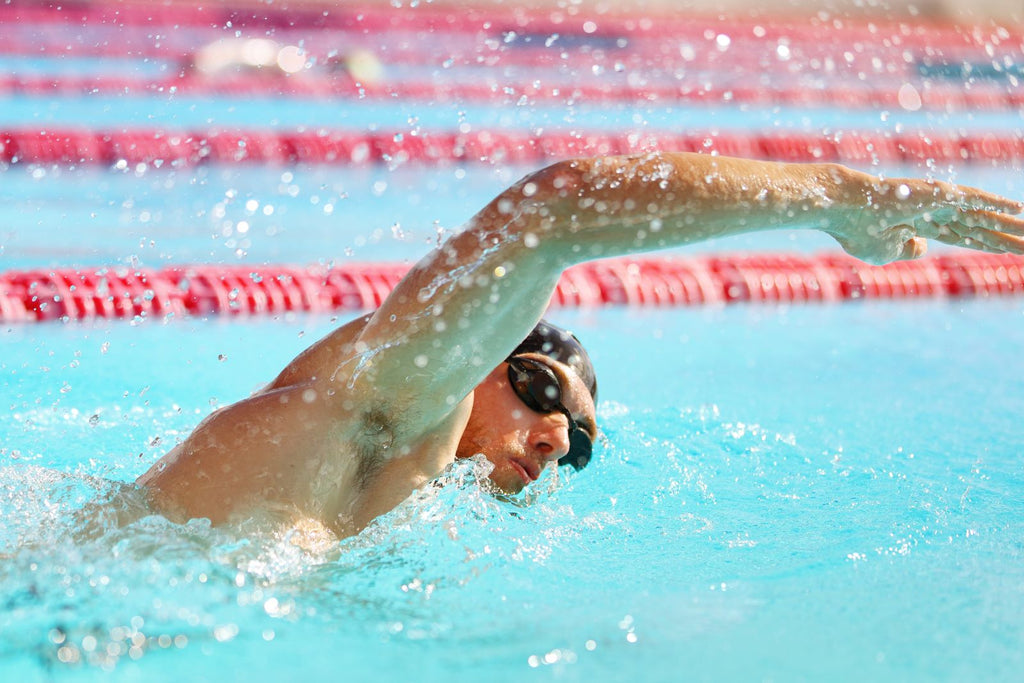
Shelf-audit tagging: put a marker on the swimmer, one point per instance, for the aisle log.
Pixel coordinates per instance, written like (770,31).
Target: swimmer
(456,361)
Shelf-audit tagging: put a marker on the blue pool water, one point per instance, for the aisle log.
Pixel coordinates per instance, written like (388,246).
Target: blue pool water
(790,493)
(187,112)
(307,214)
(780,493)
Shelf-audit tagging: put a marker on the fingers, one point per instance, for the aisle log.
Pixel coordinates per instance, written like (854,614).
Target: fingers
(992,220)
(997,242)
(940,197)
(909,210)
(938,203)
(982,230)
(981,239)
(971,198)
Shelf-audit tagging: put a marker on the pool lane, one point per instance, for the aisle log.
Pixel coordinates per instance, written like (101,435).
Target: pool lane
(276,113)
(310,214)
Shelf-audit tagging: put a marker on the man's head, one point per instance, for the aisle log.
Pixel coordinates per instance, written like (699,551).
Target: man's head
(536,407)
(562,346)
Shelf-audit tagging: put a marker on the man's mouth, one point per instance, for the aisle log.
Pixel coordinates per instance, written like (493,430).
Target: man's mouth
(526,469)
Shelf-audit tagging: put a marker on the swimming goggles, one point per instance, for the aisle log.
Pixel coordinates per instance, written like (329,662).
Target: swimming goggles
(537,386)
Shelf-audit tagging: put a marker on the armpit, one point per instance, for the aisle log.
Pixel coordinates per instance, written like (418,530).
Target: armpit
(376,437)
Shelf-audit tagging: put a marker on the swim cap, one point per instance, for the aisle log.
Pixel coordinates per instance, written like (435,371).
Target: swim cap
(563,346)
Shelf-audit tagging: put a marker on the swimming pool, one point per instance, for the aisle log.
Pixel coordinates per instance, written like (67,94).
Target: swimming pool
(787,492)
(822,492)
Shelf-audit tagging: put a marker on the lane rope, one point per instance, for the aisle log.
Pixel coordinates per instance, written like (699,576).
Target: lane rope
(883,58)
(928,95)
(217,290)
(129,148)
(932,66)
(443,17)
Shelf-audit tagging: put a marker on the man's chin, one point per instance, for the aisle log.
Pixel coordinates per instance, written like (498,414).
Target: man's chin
(505,482)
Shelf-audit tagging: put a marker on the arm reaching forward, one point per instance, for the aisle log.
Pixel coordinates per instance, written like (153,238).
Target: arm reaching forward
(466,305)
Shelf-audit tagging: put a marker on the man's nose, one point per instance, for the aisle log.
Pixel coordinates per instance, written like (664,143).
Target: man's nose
(550,437)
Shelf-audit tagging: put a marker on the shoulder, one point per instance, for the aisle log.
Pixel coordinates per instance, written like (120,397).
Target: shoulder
(323,357)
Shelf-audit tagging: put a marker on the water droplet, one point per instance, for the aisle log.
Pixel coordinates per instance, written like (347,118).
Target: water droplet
(909,98)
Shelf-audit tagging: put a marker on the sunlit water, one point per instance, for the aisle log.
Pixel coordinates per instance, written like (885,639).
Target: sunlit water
(187,113)
(297,215)
(787,493)
(807,492)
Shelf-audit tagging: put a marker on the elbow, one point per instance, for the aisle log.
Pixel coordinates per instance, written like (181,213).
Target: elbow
(549,199)
(562,180)
(539,218)
(538,203)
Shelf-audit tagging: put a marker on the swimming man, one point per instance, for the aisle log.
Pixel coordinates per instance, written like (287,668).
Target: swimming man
(441,371)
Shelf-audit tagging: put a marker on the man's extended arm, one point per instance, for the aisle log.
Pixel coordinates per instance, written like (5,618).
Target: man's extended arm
(463,307)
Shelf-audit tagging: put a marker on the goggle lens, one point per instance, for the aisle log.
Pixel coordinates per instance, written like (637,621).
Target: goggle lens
(537,387)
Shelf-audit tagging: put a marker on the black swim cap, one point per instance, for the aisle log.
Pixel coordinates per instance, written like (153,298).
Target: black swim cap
(563,346)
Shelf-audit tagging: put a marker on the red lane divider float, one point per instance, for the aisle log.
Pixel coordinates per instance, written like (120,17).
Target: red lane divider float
(439,18)
(202,290)
(949,67)
(928,94)
(751,51)
(177,149)
(669,66)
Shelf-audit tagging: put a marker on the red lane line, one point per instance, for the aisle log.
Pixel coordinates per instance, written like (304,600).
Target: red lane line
(940,97)
(441,18)
(72,294)
(186,148)
(748,47)
(641,60)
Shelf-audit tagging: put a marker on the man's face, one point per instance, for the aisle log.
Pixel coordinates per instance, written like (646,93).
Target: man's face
(519,441)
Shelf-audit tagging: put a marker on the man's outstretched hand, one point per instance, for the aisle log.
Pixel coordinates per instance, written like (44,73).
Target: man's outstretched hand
(898,215)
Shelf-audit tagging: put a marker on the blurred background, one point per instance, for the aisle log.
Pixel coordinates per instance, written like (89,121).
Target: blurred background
(956,10)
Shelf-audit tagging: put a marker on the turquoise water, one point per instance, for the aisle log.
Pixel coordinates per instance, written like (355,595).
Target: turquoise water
(780,493)
(820,492)
(306,214)
(178,111)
